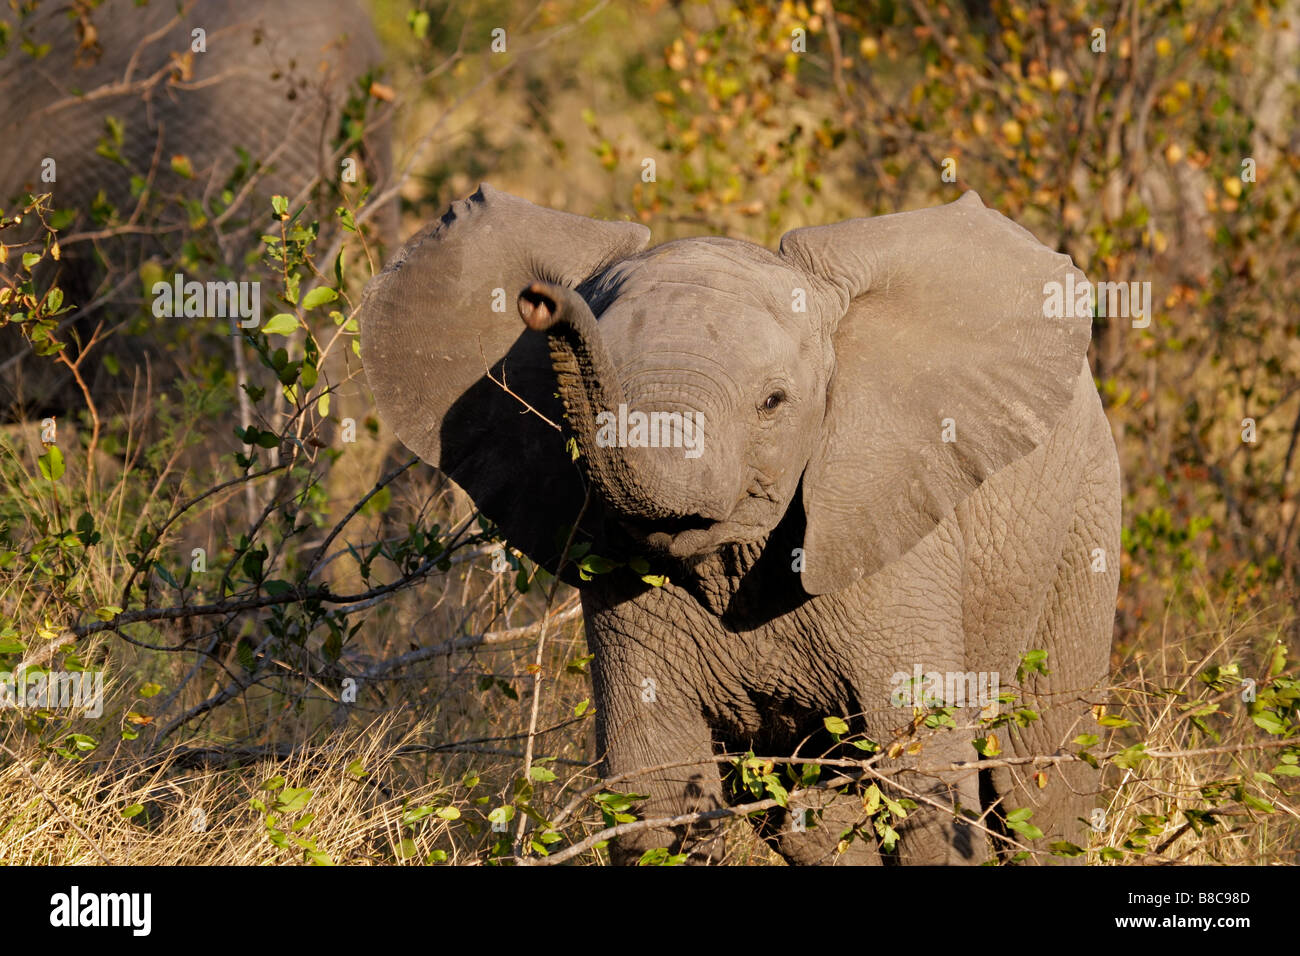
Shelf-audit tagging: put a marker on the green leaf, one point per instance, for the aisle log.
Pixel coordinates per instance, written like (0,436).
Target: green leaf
(1032,662)
(1269,721)
(660,856)
(293,799)
(51,464)
(134,810)
(150,689)
(1131,757)
(595,564)
(1110,720)
(888,835)
(1257,803)
(1065,848)
(282,323)
(1018,820)
(541,775)
(281,206)
(449,813)
(871,800)
(836,725)
(318,296)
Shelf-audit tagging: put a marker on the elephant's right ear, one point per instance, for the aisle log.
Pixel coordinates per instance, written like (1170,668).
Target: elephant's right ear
(440,324)
(949,365)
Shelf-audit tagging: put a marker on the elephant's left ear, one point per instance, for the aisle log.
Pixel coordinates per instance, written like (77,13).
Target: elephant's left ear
(947,369)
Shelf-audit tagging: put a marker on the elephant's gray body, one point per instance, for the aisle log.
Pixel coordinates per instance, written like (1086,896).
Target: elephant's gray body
(1009,571)
(904,465)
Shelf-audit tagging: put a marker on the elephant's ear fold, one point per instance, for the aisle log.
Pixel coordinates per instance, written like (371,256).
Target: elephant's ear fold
(453,369)
(955,355)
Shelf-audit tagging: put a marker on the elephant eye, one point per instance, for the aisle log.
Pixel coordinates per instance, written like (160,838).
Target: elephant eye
(772,401)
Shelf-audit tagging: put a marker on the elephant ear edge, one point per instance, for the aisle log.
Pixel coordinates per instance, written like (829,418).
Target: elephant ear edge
(442,314)
(947,369)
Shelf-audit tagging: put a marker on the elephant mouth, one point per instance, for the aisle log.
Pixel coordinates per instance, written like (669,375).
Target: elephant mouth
(693,536)
(672,527)
(672,536)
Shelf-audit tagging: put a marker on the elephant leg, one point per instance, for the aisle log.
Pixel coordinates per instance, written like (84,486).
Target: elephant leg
(1075,629)
(650,719)
(808,834)
(938,832)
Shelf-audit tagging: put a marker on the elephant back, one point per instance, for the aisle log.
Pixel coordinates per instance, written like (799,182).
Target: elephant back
(152,124)
(119,94)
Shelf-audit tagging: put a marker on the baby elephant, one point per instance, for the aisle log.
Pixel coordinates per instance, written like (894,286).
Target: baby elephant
(873,468)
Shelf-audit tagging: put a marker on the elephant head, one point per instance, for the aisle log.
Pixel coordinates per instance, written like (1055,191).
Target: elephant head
(838,370)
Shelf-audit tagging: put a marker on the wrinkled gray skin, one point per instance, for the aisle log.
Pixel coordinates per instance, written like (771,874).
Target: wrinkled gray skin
(823,432)
(272,82)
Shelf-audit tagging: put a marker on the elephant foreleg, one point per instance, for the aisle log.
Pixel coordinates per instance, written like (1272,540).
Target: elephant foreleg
(655,742)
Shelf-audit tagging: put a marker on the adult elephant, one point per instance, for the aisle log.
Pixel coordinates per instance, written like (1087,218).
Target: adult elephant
(161,131)
(899,464)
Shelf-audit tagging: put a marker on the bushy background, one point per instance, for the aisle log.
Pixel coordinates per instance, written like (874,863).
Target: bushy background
(232,733)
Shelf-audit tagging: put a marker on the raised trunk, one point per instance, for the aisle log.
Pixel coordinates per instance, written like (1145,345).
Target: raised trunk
(626,477)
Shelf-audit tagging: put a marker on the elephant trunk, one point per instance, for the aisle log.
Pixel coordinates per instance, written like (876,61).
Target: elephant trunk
(625,476)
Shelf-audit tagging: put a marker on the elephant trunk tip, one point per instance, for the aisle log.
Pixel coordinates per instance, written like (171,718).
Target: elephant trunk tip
(540,306)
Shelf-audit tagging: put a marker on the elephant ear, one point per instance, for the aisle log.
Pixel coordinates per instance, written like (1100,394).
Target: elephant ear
(934,315)
(456,374)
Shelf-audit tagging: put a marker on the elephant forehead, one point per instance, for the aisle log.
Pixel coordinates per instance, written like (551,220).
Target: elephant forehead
(694,276)
(676,317)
